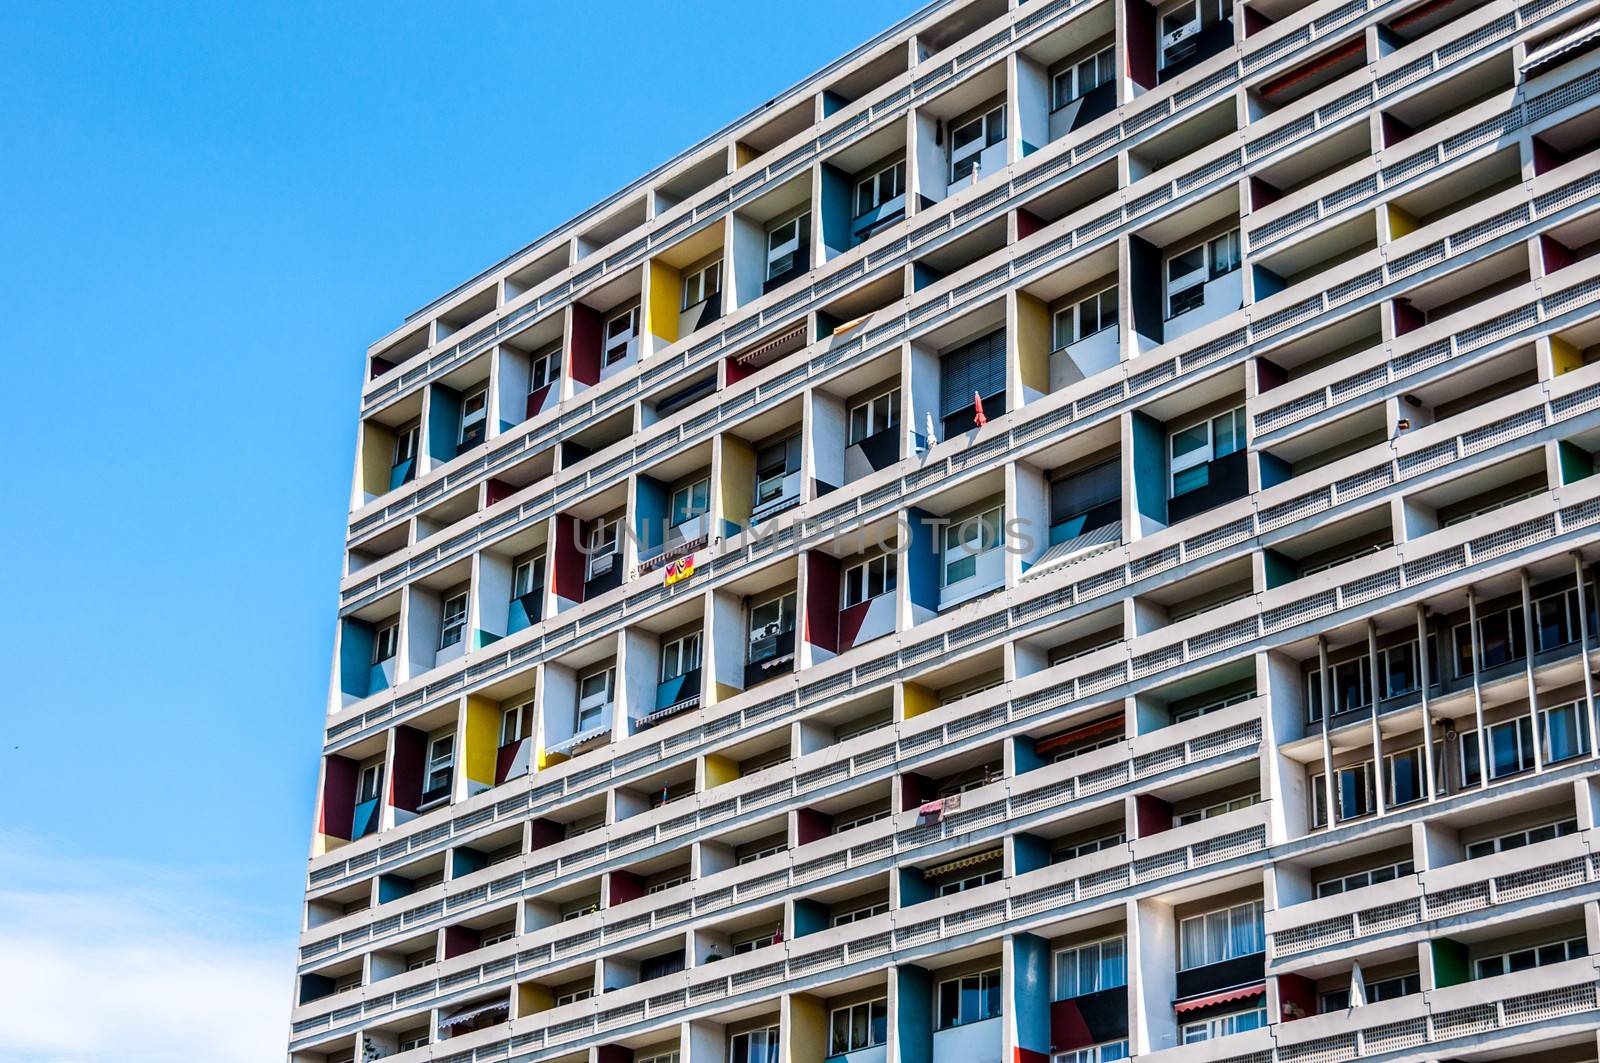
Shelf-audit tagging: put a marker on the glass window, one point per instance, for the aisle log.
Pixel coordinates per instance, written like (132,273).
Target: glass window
(1361,879)
(970,998)
(1225,934)
(690,501)
(1091,968)
(1186,275)
(455,620)
(1405,770)
(1084,318)
(769,621)
(858,914)
(785,244)
(544,369)
(1083,77)
(965,540)
(602,547)
(754,1046)
(1103,1053)
(370,783)
(1223,253)
(858,1026)
(620,333)
(1566,732)
(702,284)
(1223,1025)
(1530,958)
(880,188)
(474,417)
(527,577)
(405,443)
(680,656)
(775,462)
(513,721)
(868,580)
(968,140)
(386,642)
(875,415)
(594,694)
(441,762)
(1193,449)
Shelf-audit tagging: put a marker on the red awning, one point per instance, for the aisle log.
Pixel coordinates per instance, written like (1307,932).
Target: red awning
(1079,734)
(1220,998)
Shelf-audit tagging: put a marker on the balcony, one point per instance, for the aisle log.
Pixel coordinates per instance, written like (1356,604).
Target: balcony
(771,655)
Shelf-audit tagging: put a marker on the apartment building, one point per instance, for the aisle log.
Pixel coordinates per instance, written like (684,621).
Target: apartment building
(1068,535)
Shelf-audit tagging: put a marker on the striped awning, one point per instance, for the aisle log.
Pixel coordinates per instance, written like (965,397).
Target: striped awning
(1241,993)
(461,1018)
(1113,723)
(1580,35)
(773,349)
(964,863)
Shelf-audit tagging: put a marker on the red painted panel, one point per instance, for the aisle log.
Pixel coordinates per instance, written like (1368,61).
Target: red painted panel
(822,601)
(1068,1030)
(1151,815)
(1028,1055)
(584,358)
(1297,995)
(498,491)
(536,399)
(624,886)
(459,940)
(850,621)
(568,570)
(1141,42)
(811,826)
(546,832)
(405,782)
(1028,223)
(338,797)
(914,790)
(613,1054)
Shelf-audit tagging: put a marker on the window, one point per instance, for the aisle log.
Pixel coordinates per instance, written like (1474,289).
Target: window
(1188,271)
(1352,788)
(495,937)
(774,464)
(680,656)
(1501,640)
(575,996)
(370,784)
(660,966)
(754,1046)
(405,443)
(702,284)
(1556,621)
(690,501)
(751,942)
(858,1026)
(1106,1053)
(455,620)
(516,723)
(869,579)
(474,418)
(413,1039)
(880,188)
(840,826)
(1091,968)
(976,368)
(1360,879)
(1384,989)
(1083,77)
(1564,732)
(1084,318)
(602,547)
(667,883)
(527,576)
(577,910)
(1072,852)
(965,539)
(760,851)
(856,728)
(1225,934)
(1399,668)
(970,138)
(1195,447)
(544,369)
(1527,959)
(1180,28)
(1404,771)
(621,331)
(1088,745)
(855,915)
(1510,744)
(438,778)
(1218,809)
(970,998)
(787,243)
(1223,1025)
(1349,682)
(1518,838)
(971,882)
(875,415)
(769,621)
(659,1057)
(594,695)
(386,643)
(1085,500)
(1194,712)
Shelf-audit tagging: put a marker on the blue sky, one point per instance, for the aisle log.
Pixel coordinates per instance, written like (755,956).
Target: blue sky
(209,212)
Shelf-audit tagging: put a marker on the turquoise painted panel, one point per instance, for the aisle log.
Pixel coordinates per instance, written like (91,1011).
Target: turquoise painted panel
(355,658)
(1031,988)
(1150,466)
(366,819)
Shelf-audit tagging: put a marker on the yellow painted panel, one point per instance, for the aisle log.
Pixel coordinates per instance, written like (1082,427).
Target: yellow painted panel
(666,292)
(744,154)
(483,738)
(377,454)
(1400,223)
(1564,356)
(917,700)
(807,1029)
(719,770)
(533,998)
(1033,342)
(723,691)
(547,760)
(738,486)
(323,844)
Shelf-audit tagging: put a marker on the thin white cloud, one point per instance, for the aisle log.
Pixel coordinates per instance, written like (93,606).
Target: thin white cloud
(115,963)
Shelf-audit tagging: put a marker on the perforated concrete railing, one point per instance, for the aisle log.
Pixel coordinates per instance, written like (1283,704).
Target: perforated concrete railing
(1141,118)
(1575,868)
(1368,190)
(1029,607)
(1051,170)
(1031,897)
(1020,798)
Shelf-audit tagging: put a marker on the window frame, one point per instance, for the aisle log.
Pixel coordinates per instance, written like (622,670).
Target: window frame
(897,172)
(610,344)
(1072,314)
(386,642)
(434,763)
(870,1027)
(1255,908)
(1072,72)
(530,563)
(790,246)
(407,439)
(677,648)
(470,421)
(544,369)
(704,283)
(997,529)
(988,986)
(983,141)
(870,416)
(1100,976)
(453,624)
(688,490)
(1191,460)
(609,673)
(887,576)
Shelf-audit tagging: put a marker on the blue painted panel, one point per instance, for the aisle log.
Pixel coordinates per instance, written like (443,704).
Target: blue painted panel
(444,422)
(651,514)
(1032,992)
(355,659)
(922,560)
(366,819)
(913,1020)
(1150,466)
